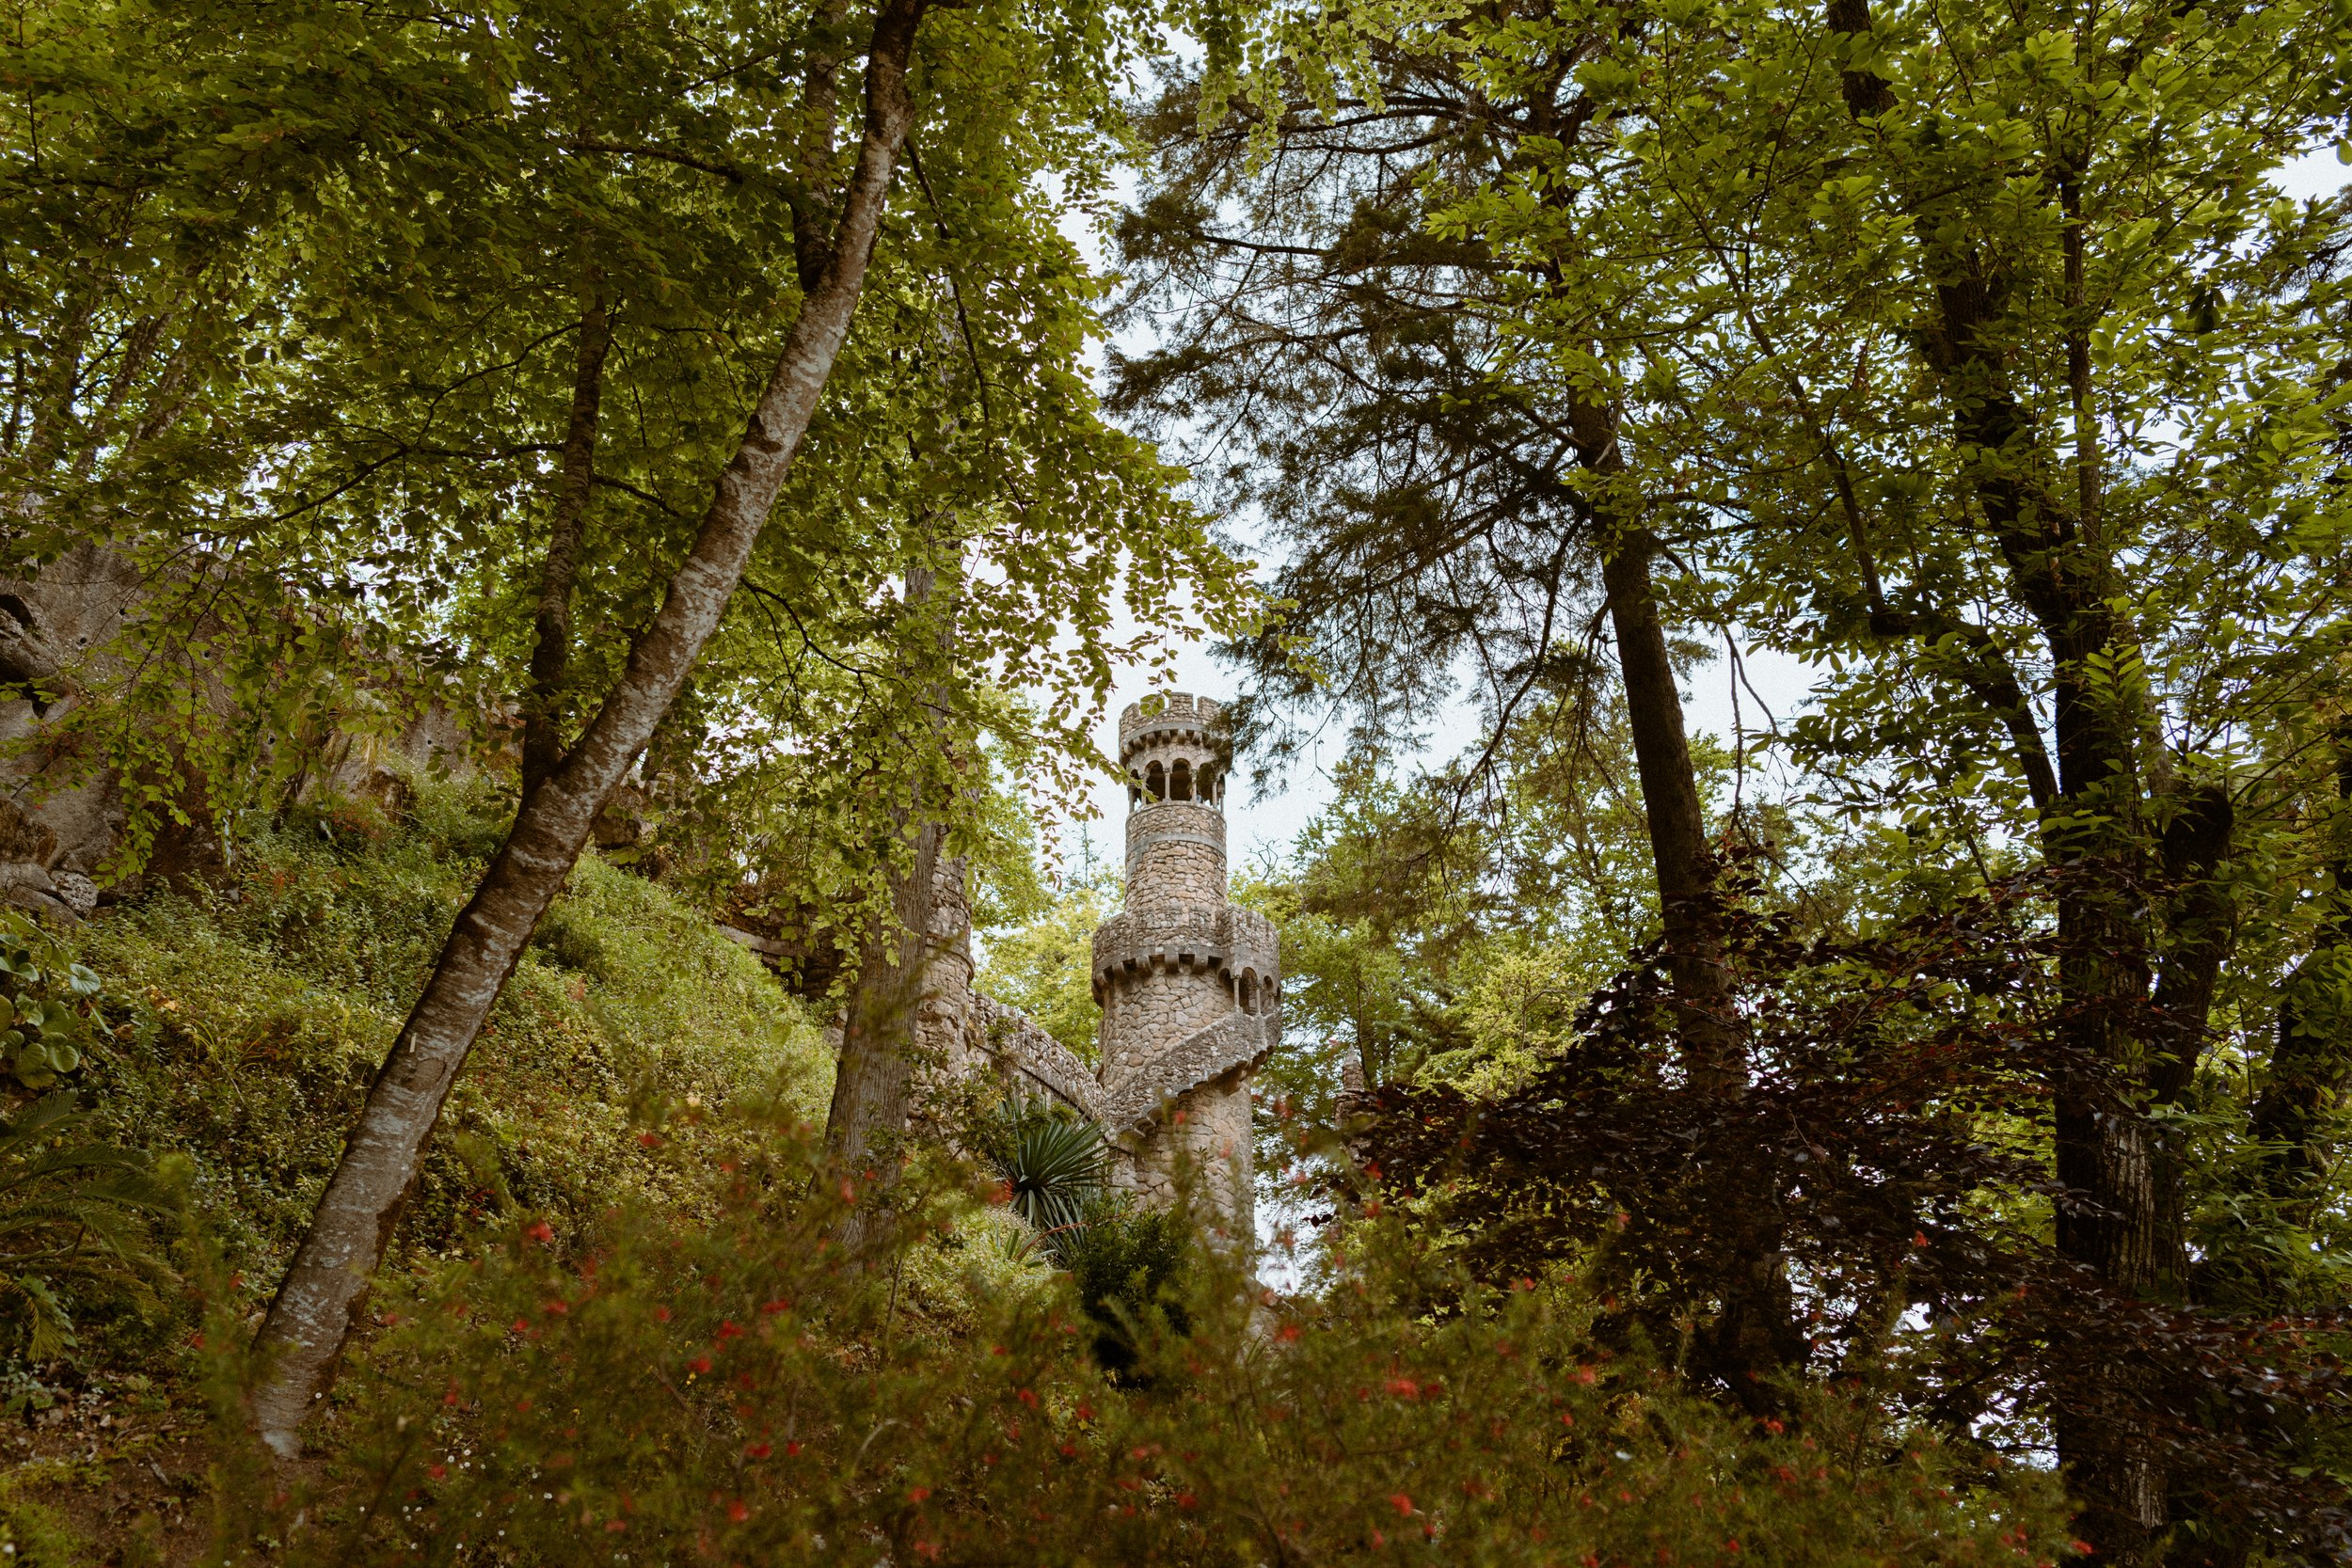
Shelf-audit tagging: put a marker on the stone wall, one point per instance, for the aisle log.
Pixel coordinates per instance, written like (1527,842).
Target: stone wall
(1205,1136)
(1031,1061)
(1151,1009)
(1175,855)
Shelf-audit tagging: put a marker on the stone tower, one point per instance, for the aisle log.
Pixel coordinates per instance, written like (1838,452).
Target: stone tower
(1189,983)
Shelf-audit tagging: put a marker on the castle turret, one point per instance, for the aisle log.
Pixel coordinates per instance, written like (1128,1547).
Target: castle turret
(1189,982)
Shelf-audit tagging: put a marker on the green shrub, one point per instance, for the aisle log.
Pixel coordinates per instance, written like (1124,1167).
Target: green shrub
(736,1392)
(73,1222)
(44,1003)
(1128,1267)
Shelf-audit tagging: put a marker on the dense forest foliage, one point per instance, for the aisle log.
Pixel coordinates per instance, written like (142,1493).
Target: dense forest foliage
(540,539)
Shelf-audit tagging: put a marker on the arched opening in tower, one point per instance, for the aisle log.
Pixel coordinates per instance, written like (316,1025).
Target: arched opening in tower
(1156,782)
(1180,781)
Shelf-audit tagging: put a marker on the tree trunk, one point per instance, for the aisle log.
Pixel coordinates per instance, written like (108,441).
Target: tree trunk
(1754,1334)
(2116,1227)
(873,1083)
(551,647)
(1679,850)
(304,1332)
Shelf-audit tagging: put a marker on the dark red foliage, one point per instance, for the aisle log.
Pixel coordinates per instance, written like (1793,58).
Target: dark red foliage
(1894,1136)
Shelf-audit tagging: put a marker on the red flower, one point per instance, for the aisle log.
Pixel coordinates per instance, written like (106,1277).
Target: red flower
(757,1450)
(699,1364)
(662,1314)
(736,1510)
(650,1140)
(1403,1504)
(779,1305)
(728,1331)
(437,1471)
(540,1231)
(1026,1397)
(1185,1499)
(918,1494)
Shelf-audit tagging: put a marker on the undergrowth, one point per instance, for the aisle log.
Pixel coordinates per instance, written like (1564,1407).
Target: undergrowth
(741,1393)
(241,1029)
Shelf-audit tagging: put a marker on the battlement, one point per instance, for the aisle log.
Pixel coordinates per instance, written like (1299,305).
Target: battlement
(1179,711)
(1237,946)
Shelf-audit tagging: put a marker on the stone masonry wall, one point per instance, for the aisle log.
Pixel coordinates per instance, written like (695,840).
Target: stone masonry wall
(1146,1011)
(1205,1132)
(1175,855)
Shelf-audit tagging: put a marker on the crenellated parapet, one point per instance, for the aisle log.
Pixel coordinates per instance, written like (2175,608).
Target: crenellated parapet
(1033,1061)
(1237,948)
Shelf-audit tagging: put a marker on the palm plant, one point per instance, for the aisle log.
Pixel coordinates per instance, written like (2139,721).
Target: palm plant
(1052,1162)
(72,1210)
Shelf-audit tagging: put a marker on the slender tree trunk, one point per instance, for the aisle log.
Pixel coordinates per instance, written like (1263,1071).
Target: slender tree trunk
(872,1085)
(1680,849)
(551,647)
(874,1080)
(304,1332)
(1754,1336)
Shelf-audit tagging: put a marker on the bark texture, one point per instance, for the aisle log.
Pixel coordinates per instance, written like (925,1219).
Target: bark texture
(551,645)
(315,1304)
(2115,1224)
(873,1083)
